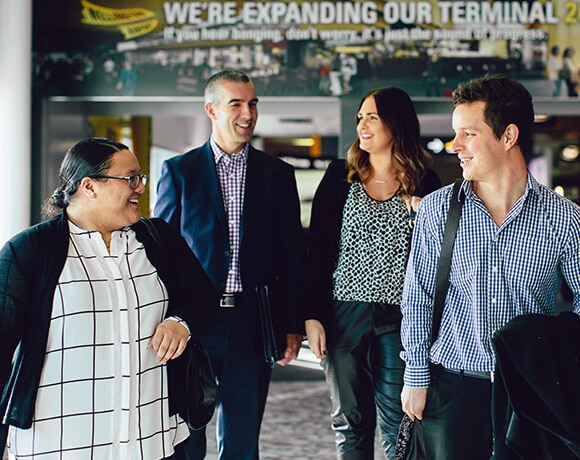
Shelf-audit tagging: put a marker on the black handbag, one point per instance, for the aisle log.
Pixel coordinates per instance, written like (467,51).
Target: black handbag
(410,441)
(200,382)
(200,386)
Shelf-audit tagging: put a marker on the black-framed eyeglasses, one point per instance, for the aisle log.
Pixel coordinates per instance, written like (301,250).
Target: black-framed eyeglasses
(133,181)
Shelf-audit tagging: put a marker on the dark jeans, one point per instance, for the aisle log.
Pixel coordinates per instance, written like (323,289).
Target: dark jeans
(571,88)
(244,378)
(365,376)
(457,418)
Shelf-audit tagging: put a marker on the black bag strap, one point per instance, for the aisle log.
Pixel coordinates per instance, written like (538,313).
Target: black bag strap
(444,266)
(154,234)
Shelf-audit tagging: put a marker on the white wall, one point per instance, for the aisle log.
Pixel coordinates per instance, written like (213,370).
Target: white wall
(15,106)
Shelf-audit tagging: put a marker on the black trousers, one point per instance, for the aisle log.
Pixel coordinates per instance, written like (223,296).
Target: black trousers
(179,453)
(457,421)
(365,376)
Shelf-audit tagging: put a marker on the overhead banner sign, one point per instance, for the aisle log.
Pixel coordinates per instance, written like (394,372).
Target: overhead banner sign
(191,21)
(317,39)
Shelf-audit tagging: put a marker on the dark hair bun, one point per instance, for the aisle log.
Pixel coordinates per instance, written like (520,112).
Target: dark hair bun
(58,197)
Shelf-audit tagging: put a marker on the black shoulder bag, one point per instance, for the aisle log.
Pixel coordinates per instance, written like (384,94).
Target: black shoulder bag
(200,382)
(410,444)
(444,266)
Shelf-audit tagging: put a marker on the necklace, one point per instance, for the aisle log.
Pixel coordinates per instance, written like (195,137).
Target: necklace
(383,181)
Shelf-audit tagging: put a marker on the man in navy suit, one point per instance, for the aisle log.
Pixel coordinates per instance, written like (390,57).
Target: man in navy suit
(238,209)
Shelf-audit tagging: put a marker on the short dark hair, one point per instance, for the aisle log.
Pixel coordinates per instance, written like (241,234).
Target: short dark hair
(88,157)
(506,101)
(212,87)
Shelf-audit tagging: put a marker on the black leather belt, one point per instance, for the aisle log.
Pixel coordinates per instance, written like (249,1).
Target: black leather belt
(475,374)
(230,299)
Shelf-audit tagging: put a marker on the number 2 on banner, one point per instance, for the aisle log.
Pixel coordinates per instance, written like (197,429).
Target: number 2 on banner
(572,12)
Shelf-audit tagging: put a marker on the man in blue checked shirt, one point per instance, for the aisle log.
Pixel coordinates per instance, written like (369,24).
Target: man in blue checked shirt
(517,240)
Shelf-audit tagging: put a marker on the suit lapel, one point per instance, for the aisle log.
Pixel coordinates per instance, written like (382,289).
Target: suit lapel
(253,172)
(210,180)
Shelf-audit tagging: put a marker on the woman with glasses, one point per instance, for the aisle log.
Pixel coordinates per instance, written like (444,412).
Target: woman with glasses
(96,304)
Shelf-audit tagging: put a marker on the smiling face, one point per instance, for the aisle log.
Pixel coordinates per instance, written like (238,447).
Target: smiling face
(114,204)
(234,114)
(480,153)
(373,134)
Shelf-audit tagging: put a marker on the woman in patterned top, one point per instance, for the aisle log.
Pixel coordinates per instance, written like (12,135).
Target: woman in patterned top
(93,309)
(360,233)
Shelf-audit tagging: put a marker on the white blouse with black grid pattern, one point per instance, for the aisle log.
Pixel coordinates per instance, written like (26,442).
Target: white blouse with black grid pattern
(101,393)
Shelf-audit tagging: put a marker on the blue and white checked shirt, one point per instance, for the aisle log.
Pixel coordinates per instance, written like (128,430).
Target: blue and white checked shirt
(497,273)
(231,171)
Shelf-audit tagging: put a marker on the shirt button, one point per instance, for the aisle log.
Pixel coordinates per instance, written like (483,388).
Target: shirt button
(493,301)
(227,253)
(494,269)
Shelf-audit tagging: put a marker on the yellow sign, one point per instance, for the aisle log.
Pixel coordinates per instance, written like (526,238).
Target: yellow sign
(132,22)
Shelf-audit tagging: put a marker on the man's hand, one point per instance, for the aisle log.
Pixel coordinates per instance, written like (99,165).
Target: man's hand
(413,400)
(316,337)
(293,343)
(169,340)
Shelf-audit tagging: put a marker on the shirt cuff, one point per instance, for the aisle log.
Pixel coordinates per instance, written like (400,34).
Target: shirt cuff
(417,377)
(182,322)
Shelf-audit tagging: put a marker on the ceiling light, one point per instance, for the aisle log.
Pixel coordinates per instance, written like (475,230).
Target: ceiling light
(541,118)
(303,142)
(435,145)
(570,152)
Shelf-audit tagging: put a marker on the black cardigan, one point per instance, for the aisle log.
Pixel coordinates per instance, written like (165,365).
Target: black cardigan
(30,266)
(324,235)
(536,407)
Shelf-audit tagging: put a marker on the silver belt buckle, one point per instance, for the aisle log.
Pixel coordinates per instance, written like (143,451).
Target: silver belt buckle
(227,301)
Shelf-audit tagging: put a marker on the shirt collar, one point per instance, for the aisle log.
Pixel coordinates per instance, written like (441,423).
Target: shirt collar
(532,185)
(218,153)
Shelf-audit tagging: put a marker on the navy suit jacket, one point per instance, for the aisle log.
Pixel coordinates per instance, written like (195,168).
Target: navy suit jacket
(272,243)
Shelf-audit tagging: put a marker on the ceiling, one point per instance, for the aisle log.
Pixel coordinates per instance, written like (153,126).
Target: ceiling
(304,116)
(281,125)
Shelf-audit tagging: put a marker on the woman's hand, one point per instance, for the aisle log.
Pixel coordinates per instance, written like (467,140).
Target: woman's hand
(293,343)
(413,204)
(169,340)
(412,207)
(316,337)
